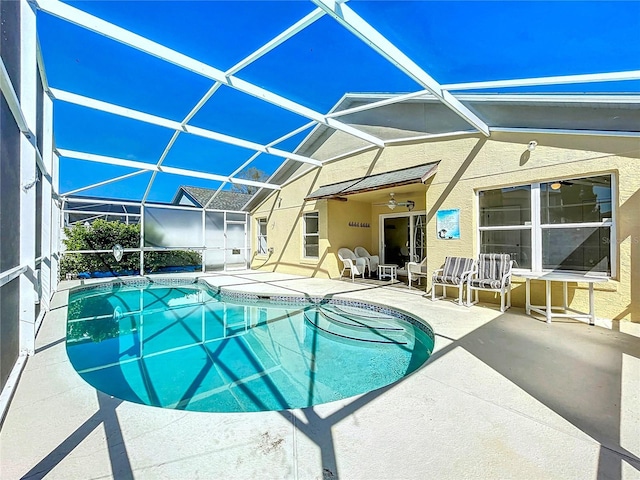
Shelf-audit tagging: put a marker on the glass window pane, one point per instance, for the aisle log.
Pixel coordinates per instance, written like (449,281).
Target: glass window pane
(311,222)
(576,201)
(517,243)
(262,245)
(311,246)
(262,226)
(580,249)
(505,206)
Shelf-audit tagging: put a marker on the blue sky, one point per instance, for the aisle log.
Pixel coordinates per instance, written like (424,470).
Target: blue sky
(452,41)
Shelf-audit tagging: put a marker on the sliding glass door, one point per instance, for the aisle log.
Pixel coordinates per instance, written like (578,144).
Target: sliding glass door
(402,238)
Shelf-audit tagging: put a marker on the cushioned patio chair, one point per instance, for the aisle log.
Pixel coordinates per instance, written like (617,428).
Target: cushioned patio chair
(417,271)
(454,273)
(491,273)
(372,260)
(356,265)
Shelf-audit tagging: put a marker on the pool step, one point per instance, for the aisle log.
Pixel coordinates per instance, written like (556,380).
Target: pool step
(343,328)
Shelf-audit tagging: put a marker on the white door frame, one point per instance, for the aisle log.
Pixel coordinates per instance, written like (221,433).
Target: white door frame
(381,219)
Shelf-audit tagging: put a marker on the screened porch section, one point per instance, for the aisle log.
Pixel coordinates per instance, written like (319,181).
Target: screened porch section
(105,238)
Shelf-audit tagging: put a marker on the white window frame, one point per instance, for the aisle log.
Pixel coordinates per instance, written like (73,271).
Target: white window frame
(305,235)
(537,226)
(260,236)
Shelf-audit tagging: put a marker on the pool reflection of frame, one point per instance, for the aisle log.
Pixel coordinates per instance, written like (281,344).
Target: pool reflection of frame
(448,224)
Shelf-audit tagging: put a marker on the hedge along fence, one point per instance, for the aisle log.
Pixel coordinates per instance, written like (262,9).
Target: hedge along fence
(103,235)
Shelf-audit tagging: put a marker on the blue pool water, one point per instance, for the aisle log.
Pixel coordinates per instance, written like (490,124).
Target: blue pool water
(186,347)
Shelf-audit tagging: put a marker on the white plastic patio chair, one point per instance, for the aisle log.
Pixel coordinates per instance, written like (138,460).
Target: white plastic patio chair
(454,273)
(372,260)
(491,273)
(417,271)
(356,265)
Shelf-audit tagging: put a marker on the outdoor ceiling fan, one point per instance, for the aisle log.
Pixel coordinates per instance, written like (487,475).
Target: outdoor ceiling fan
(392,203)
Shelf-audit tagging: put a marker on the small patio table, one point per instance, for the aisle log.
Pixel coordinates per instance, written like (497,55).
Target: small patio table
(388,270)
(565,278)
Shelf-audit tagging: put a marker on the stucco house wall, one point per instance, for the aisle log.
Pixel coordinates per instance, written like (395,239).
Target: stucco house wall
(467,164)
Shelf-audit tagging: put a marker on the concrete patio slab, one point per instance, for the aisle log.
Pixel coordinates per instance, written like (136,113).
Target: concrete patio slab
(503,396)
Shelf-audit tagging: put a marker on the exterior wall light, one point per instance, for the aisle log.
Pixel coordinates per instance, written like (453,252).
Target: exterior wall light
(532,145)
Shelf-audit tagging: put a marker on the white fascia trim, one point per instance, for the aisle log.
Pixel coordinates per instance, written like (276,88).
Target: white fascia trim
(433,136)
(155,168)
(97,25)
(12,100)
(621,99)
(355,24)
(557,80)
(172,124)
(106,182)
(557,131)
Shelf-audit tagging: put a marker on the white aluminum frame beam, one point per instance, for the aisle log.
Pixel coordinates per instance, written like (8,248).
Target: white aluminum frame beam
(253,157)
(343,14)
(155,168)
(97,25)
(12,100)
(266,48)
(558,80)
(173,125)
(105,182)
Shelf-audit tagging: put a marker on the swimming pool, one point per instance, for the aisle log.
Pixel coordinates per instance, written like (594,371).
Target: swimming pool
(186,346)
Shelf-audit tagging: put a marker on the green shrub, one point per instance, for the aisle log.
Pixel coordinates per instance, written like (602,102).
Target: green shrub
(103,235)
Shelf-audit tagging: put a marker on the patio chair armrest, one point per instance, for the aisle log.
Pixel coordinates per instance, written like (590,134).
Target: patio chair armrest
(465,274)
(348,262)
(507,275)
(440,270)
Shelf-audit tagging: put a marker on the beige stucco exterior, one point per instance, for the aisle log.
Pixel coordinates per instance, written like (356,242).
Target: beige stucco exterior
(467,164)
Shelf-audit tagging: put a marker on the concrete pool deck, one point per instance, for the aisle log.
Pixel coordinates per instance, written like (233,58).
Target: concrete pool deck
(504,396)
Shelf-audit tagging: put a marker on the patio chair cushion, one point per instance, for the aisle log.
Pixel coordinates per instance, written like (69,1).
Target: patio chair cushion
(485,283)
(447,280)
(453,269)
(492,266)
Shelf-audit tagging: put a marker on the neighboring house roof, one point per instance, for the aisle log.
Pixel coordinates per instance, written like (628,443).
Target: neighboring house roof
(225,200)
(394,178)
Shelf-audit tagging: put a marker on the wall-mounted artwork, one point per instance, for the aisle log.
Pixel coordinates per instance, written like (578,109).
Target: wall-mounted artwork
(448,224)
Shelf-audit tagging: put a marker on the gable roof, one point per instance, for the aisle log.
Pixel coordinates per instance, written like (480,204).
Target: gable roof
(225,200)
(394,178)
